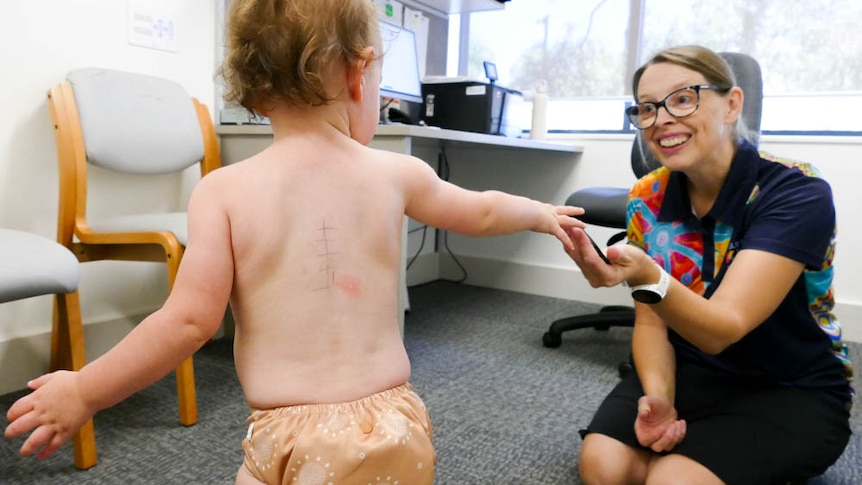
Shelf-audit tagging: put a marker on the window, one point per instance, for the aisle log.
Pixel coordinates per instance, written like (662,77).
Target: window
(810,52)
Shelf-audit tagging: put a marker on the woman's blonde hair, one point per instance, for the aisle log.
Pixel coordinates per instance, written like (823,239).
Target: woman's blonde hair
(283,50)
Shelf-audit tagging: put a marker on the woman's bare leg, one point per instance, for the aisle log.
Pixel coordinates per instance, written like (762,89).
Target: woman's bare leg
(678,470)
(607,461)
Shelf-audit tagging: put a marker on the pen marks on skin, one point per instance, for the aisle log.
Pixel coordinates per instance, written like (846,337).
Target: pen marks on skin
(325,254)
(327,251)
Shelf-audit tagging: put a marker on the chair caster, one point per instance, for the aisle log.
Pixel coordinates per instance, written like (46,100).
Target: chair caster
(624,369)
(552,340)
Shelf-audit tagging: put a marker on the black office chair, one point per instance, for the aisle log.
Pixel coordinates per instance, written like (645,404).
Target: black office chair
(606,206)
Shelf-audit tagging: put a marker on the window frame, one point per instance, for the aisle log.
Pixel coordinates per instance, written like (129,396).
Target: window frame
(633,56)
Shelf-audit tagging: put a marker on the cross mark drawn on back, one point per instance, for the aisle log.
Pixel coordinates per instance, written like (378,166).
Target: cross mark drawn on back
(326,251)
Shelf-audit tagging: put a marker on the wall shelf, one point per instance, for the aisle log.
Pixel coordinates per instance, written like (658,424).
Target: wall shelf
(447,7)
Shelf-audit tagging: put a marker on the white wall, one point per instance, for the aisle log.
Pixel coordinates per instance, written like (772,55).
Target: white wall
(41,41)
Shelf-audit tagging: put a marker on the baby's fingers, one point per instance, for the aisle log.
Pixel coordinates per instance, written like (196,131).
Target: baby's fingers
(22,424)
(570,222)
(564,238)
(569,210)
(40,381)
(37,441)
(20,417)
(54,443)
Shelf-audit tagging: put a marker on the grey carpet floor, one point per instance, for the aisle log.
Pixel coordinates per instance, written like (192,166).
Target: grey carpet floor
(505,409)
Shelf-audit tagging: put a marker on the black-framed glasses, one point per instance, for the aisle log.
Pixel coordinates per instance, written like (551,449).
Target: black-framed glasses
(679,104)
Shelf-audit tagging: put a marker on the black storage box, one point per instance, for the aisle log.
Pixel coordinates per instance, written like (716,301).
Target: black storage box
(471,106)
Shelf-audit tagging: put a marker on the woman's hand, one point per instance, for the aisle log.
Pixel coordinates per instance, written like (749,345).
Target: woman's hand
(628,264)
(657,425)
(54,412)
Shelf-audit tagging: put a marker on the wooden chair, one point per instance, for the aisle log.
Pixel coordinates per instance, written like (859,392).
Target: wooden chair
(132,124)
(30,266)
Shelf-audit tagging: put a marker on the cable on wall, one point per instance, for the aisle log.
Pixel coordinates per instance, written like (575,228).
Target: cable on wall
(443,172)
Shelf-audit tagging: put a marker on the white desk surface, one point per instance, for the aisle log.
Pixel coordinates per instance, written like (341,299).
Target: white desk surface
(398,130)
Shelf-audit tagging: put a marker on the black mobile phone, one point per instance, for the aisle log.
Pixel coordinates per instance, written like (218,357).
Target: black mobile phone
(598,249)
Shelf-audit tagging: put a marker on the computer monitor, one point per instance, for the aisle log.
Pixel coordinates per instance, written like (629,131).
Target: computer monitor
(400,64)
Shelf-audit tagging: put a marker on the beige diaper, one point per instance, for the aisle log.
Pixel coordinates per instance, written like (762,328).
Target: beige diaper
(385,438)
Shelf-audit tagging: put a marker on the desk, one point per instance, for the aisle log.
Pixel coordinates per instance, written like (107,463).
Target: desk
(239,142)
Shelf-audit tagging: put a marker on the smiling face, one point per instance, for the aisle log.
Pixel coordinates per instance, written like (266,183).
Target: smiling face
(705,136)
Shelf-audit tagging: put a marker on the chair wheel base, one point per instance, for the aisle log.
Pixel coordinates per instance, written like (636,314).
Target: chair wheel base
(552,340)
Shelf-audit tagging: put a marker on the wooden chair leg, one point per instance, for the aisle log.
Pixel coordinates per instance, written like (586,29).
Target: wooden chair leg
(186,393)
(69,352)
(67,334)
(84,446)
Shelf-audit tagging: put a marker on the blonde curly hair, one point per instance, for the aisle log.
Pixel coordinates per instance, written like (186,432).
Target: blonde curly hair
(282,50)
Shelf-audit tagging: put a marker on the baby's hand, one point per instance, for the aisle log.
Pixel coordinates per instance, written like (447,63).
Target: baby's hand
(55,410)
(563,218)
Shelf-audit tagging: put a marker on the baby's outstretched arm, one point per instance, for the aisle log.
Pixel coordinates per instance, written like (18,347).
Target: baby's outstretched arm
(446,206)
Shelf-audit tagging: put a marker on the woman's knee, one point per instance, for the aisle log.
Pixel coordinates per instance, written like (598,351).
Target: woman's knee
(607,461)
(679,470)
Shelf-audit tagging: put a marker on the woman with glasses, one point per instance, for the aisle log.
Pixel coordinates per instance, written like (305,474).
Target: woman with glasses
(741,376)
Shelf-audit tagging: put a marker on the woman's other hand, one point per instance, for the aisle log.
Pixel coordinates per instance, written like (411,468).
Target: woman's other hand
(657,425)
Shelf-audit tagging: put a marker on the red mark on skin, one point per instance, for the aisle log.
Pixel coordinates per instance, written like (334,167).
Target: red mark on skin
(350,285)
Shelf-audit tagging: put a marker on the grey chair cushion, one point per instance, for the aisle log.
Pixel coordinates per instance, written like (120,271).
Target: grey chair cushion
(134,123)
(32,265)
(175,222)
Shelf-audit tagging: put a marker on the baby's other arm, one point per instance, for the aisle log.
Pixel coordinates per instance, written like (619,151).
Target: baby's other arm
(63,401)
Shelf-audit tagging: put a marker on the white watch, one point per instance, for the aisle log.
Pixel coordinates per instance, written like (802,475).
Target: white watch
(653,292)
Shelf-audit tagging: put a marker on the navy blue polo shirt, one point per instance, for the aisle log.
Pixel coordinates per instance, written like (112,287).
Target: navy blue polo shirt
(770,204)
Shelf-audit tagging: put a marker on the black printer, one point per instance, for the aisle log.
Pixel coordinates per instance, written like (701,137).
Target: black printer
(469,105)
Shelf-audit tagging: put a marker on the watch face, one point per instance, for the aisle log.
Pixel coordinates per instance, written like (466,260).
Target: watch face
(646,296)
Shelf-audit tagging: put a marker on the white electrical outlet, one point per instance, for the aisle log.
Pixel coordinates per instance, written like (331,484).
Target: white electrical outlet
(152,25)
